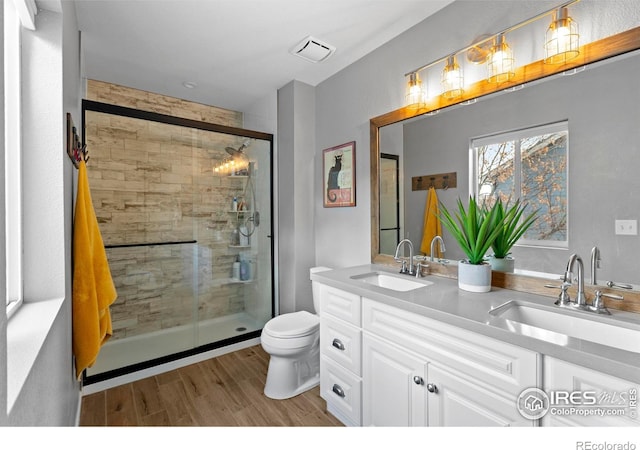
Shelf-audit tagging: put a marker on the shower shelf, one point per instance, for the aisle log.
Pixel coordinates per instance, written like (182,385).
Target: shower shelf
(239,246)
(232,281)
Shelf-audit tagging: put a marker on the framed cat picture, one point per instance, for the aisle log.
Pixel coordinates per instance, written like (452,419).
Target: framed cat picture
(339,176)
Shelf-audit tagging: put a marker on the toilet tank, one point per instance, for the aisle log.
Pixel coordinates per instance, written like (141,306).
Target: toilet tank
(315,288)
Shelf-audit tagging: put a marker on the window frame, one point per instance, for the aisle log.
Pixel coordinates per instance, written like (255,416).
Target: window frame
(517,136)
(13,157)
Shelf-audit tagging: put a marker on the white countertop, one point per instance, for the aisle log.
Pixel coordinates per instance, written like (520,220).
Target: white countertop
(443,301)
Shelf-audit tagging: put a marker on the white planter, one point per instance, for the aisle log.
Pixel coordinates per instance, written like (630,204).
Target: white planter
(502,264)
(474,277)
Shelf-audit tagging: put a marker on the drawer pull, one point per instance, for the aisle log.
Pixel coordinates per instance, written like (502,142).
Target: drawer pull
(432,388)
(338,391)
(337,343)
(418,380)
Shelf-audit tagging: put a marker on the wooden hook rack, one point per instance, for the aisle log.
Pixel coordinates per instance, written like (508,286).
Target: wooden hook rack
(438,181)
(76,151)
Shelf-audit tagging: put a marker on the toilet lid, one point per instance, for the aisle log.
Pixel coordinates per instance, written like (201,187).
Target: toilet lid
(296,324)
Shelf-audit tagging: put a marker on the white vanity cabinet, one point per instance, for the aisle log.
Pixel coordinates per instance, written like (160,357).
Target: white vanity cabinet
(421,372)
(598,400)
(341,354)
(383,363)
(394,392)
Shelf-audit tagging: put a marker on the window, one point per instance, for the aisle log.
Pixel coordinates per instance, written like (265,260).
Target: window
(12,154)
(529,164)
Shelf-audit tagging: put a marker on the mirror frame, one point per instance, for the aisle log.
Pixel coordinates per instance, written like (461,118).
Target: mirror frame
(609,47)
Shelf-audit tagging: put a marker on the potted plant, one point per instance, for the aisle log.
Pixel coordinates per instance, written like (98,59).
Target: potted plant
(475,229)
(512,230)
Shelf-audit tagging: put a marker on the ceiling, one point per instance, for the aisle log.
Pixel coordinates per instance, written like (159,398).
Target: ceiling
(235,51)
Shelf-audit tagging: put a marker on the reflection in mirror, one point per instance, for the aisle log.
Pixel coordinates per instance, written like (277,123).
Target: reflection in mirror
(389,203)
(530,165)
(602,184)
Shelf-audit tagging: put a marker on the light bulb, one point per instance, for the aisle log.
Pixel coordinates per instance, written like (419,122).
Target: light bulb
(562,38)
(415,93)
(452,79)
(501,63)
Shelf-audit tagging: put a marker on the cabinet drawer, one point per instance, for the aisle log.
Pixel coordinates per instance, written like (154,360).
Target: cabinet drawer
(342,343)
(341,304)
(490,361)
(342,390)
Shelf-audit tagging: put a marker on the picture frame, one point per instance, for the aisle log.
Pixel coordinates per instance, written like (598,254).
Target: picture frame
(339,176)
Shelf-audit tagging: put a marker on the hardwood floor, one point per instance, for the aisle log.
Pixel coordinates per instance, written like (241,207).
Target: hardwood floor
(223,391)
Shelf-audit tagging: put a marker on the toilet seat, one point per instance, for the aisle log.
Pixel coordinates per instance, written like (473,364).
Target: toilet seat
(292,325)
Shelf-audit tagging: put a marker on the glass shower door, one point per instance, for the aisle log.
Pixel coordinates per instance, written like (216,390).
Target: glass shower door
(234,240)
(192,268)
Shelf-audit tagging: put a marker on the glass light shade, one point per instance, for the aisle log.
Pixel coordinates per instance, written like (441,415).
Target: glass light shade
(486,189)
(452,79)
(501,63)
(562,39)
(416,94)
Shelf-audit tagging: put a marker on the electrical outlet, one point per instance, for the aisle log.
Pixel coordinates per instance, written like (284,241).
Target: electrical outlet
(627,227)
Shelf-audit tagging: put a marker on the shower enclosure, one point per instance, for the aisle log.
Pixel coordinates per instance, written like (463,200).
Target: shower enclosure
(185,212)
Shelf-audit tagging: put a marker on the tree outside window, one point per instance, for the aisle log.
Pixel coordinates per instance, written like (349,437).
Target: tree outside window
(529,164)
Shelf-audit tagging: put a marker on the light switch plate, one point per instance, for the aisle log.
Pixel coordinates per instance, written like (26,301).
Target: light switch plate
(627,227)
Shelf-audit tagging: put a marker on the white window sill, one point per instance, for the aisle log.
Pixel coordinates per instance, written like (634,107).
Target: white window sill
(27,331)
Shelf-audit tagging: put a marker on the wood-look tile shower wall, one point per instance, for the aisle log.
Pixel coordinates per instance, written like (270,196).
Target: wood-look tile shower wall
(153,182)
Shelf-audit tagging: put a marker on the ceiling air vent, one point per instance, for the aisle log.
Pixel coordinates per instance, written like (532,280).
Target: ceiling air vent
(313,49)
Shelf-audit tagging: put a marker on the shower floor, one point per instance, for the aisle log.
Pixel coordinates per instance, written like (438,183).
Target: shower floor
(128,351)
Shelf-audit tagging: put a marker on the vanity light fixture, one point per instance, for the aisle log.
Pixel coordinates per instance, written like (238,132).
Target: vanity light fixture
(416,94)
(562,38)
(561,45)
(452,79)
(501,63)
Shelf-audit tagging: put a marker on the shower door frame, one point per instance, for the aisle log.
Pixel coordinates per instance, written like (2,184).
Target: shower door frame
(107,108)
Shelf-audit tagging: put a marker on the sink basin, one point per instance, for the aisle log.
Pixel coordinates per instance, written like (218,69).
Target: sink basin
(400,283)
(558,325)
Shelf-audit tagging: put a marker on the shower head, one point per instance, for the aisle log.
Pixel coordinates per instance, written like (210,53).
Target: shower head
(239,151)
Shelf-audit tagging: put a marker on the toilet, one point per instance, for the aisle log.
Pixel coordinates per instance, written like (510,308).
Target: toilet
(293,342)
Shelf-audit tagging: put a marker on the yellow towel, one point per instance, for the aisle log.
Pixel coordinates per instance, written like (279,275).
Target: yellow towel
(93,288)
(432,225)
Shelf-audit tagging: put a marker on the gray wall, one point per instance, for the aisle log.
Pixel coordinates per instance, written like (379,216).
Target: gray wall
(375,85)
(604,146)
(49,394)
(296,143)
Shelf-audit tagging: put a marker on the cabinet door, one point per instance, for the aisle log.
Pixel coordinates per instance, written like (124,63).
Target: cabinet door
(393,385)
(597,399)
(457,401)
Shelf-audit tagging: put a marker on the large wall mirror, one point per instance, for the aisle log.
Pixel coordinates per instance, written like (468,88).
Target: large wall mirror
(600,102)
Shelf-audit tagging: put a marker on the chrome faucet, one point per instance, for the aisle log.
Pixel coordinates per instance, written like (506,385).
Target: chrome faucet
(595,263)
(433,244)
(581,300)
(410,270)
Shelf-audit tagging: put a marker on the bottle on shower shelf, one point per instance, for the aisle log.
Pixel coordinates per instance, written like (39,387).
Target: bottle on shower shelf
(245,274)
(244,236)
(235,237)
(235,271)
